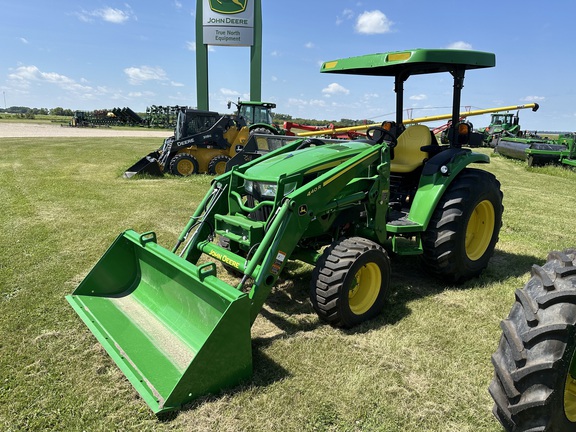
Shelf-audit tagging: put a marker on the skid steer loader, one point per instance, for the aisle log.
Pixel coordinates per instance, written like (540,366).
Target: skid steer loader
(204,141)
(178,331)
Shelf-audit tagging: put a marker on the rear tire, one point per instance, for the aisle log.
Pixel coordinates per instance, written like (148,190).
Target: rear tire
(464,227)
(184,164)
(532,388)
(350,282)
(217,165)
(261,131)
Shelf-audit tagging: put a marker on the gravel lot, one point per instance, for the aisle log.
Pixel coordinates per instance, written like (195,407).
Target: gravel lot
(32,130)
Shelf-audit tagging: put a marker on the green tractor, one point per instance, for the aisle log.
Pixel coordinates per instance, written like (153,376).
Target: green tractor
(178,331)
(501,123)
(534,384)
(258,116)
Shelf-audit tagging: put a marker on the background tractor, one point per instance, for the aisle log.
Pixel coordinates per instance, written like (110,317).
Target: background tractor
(178,331)
(534,385)
(501,123)
(204,141)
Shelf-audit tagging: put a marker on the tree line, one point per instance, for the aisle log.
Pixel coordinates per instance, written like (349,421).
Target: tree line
(280,118)
(58,111)
(27,112)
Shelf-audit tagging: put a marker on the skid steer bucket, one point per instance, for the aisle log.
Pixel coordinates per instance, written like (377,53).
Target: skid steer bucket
(175,330)
(147,165)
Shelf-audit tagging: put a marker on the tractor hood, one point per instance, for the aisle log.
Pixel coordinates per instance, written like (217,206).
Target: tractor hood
(306,161)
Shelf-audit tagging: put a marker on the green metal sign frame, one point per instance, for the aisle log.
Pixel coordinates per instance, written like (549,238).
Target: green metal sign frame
(202,90)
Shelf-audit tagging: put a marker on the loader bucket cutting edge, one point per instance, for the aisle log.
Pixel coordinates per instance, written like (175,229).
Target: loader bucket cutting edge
(174,329)
(147,165)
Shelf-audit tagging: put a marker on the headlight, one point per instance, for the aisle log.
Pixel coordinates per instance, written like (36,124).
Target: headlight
(266,189)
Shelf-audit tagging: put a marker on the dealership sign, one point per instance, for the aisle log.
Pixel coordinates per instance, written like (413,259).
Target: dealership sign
(228,22)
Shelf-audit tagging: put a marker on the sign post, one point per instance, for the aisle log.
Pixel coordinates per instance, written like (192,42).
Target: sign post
(228,23)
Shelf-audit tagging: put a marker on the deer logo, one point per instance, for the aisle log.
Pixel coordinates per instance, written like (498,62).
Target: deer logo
(228,6)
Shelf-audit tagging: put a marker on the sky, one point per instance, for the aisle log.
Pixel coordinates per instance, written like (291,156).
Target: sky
(103,54)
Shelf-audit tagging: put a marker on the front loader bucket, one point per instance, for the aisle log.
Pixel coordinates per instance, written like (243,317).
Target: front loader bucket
(147,165)
(175,330)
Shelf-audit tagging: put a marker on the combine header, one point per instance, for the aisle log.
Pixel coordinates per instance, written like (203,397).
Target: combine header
(178,331)
(538,151)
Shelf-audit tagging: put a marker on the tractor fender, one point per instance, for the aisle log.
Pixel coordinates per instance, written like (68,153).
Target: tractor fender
(437,174)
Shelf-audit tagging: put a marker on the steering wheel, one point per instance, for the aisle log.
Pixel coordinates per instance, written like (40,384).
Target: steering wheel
(378,135)
(310,142)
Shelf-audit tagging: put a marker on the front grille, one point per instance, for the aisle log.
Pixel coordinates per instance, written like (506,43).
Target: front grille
(260,215)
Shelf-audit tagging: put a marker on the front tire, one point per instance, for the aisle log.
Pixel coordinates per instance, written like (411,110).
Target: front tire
(350,282)
(464,227)
(534,384)
(184,164)
(217,165)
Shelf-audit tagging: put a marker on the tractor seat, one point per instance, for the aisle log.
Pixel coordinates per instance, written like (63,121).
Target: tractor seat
(408,154)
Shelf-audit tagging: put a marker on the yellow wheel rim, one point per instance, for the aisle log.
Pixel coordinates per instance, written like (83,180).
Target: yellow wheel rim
(220,168)
(365,288)
(185,167)
(479,230)
(570,395)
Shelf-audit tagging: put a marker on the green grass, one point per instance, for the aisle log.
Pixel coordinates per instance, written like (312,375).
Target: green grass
(424,364)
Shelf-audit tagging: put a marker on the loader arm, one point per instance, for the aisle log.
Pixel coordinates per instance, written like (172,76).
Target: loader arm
(272,242)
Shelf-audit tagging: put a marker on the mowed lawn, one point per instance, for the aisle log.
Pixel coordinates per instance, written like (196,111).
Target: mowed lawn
(423,365)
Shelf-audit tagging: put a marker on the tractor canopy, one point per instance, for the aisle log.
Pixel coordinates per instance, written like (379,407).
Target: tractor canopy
(402,64)
(411,62)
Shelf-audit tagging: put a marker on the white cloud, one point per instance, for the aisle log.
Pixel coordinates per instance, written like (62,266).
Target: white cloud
(32,73)
(460,45)
(309,45)
(108,14)
(229,92)
(533,99)
(138,75)
(335,88)
(24,76)
(141,94)
(24,40)
(346,15)
(373,22)
(297,102)
(418,97)
(317,103)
